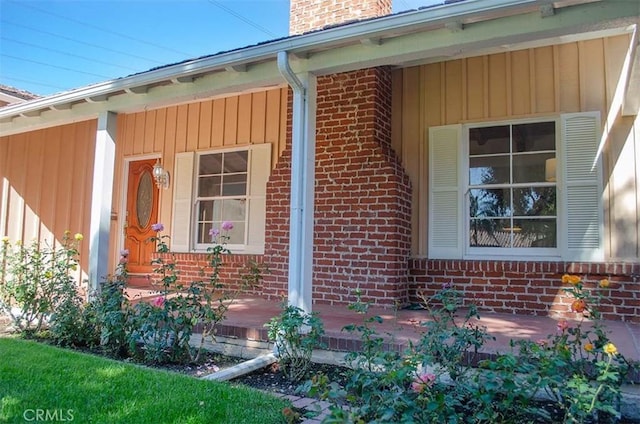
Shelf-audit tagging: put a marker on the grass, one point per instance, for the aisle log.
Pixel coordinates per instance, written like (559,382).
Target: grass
(72,386)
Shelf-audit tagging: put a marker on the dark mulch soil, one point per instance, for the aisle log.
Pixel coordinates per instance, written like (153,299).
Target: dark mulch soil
(273,380)
(270,378)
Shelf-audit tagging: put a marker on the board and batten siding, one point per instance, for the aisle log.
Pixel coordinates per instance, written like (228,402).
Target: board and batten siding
(252,118)
(45,185)
(537,82)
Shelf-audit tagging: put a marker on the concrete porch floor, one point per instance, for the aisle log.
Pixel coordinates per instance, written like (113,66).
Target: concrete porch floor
(246,317)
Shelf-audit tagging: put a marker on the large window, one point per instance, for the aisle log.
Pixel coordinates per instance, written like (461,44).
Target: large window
(222,195)
(512,186)
(213,187)
(495,190)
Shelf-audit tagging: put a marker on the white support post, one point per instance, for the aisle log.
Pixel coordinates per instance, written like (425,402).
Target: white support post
(302,186)
(101,199)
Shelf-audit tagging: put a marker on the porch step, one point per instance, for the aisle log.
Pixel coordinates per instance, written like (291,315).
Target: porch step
(139,281)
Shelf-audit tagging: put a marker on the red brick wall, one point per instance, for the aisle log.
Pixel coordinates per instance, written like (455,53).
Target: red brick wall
(194,266)
(530,288)
(308,15)
(362,197)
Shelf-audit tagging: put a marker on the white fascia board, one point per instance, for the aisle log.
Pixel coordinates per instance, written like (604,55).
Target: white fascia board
(209,86)
(352,33)
(515,32)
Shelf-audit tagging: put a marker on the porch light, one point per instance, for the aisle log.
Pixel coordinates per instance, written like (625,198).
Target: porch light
(161,175)
(550,170)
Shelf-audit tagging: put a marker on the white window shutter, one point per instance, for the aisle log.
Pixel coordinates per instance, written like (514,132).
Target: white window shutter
(445,201)
(260,169)
(582,177)
(182,202)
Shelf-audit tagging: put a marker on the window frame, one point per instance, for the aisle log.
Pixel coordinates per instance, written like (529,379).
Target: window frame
(197,246)
(469,252)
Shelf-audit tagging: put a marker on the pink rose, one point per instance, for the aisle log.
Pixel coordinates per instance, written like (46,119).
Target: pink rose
(158,302)
(423,381)
(562,326)
(214,232)
(227,225)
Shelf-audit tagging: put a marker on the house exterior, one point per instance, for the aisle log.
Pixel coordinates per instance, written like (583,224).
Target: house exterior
(490,144)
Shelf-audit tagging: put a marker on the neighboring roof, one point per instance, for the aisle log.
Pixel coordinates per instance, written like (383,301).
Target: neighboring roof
(428,35)
(8,94)
(483,238)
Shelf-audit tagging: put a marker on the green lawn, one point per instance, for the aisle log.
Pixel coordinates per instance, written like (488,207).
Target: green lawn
(63,385)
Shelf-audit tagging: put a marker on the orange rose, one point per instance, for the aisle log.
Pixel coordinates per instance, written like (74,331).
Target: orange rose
(578,306)
(571,279)
(588,347)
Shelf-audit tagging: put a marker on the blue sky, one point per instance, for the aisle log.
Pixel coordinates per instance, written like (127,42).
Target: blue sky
(56,45)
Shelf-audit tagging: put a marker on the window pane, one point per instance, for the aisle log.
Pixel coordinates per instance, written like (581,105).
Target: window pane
(534,137)
(489,233)
(233,210)
(489,170)
(209,210)
(489,140)
(236,234)
(235,162)
(534,201)
(203,232)
(536,232)
(209,186)
(210,164)
(234,185)
(489,203)
(530,168)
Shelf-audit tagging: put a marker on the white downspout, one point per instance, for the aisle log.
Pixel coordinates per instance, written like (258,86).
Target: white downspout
(302,184)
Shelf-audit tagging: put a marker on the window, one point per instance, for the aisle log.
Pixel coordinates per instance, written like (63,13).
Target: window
(495,189)
(512,196)
(216,186)
(221,195)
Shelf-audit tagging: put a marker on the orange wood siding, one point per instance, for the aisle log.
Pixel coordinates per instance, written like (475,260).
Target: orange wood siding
(45,184)
(252,118)
(545,81)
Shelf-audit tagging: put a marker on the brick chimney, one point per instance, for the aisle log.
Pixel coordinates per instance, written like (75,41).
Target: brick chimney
(362,210)
(309,15)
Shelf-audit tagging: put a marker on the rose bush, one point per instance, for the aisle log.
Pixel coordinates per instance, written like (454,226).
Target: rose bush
(576,370)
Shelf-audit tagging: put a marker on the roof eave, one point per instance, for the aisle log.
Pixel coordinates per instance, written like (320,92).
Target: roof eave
(299,45)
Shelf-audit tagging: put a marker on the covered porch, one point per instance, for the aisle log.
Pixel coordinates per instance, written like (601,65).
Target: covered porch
(244,328)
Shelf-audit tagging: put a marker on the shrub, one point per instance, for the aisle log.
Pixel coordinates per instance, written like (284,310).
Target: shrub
(161,331)
(111,309)
(433,380)
(295,334)
(37,289)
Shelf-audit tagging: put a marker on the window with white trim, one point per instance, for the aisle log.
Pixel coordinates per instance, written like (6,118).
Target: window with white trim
(221,195)
(526,188)
(511,194)
(212,187)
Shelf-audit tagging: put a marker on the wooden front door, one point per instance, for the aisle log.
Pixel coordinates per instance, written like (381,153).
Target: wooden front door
(142,212)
